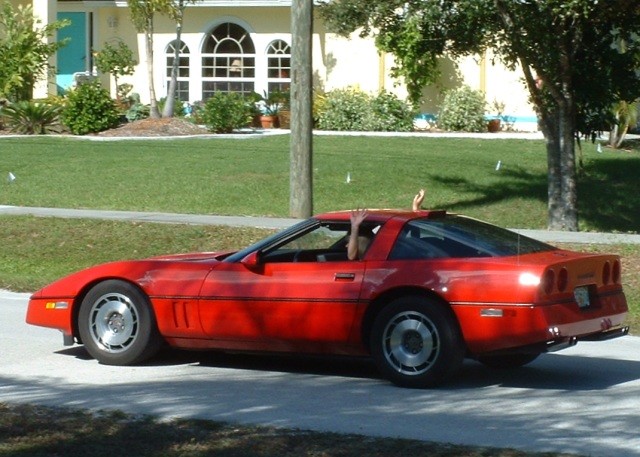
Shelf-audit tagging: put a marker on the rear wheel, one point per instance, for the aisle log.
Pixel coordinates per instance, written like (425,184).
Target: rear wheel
(506,361)
(416,342)
(117,325)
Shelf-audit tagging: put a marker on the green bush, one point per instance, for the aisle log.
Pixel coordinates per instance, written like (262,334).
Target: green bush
(390,114)
(224,112)
(345,109)
(463,110)
(354,110)
(90,109)
(31,118)
(178,106)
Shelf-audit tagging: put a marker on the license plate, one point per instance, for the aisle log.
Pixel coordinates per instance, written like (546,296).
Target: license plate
(582,296)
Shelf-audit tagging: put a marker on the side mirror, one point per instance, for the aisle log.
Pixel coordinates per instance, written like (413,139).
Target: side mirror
(252,260)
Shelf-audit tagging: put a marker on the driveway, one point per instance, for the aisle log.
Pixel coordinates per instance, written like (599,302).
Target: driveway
(584,400)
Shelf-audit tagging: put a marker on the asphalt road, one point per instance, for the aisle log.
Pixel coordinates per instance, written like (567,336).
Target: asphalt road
(584,400)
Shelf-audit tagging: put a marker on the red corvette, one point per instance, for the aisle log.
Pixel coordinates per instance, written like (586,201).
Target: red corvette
(430,289)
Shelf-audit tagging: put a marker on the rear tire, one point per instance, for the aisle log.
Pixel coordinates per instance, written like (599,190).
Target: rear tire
(117,325)
(416,342)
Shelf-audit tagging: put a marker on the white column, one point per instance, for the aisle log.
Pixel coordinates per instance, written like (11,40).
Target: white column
(46,12)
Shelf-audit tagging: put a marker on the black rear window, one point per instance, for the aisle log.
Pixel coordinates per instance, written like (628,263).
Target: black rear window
(458,237)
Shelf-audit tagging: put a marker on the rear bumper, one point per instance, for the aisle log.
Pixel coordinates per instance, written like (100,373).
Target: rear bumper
(607,334)
(561,343)
(498,328)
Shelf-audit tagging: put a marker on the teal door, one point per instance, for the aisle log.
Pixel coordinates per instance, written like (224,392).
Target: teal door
(72,58)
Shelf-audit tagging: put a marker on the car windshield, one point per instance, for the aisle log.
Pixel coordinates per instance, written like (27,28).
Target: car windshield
(275,238)
(309,241)
(458,237)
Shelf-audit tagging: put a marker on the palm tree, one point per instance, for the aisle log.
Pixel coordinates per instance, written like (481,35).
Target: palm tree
(626,115)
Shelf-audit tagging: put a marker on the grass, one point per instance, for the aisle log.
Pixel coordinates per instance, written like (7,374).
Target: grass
(251,177)
(30,431)
(36,251)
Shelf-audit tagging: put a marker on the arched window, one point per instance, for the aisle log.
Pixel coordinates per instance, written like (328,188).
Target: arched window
(182,88)
(279,66)
(228,61)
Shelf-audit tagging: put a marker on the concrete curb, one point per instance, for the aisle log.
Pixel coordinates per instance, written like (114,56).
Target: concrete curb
(280,223)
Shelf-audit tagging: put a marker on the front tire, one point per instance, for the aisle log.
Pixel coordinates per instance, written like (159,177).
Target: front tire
(117,325)
(416,342)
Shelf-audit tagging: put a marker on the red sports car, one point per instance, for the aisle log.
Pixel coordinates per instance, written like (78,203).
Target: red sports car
(429,289)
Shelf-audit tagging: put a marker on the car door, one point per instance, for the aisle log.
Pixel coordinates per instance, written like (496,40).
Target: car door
(301,294)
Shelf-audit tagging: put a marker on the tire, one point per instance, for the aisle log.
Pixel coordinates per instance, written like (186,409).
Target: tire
(117,325)
(416,342)
(507,361)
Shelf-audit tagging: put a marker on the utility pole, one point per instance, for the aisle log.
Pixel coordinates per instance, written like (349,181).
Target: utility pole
(301,170)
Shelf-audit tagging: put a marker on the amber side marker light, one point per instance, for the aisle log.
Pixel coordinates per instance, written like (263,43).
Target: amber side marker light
(57,305)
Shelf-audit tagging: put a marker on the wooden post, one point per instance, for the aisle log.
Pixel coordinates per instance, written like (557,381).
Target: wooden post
(301,148)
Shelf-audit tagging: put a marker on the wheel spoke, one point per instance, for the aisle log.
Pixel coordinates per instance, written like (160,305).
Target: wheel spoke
(411,343)
(114,322)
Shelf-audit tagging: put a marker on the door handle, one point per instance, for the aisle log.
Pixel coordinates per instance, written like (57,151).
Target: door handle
(345,276)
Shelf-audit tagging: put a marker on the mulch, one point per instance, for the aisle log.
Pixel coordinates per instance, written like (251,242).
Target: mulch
(167,126)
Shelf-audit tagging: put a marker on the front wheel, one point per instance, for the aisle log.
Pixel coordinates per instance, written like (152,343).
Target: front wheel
(416,342)
(117,325)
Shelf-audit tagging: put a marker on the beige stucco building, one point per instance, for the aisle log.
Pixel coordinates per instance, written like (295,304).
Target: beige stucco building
(244,45)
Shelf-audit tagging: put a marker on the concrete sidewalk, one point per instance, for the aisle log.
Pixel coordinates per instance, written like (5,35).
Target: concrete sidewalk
(279,223)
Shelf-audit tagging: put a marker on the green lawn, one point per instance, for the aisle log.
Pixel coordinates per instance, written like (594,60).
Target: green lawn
(251,176)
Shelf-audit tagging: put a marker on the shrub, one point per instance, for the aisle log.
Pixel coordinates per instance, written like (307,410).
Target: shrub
(463,111)
(90,109)
(137,110)
(31,117)
(390,114)
(116,60)
(178,107)
(345,109)
(224,112)
(350,109)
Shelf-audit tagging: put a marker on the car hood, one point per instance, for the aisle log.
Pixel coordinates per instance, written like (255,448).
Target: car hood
(193,256)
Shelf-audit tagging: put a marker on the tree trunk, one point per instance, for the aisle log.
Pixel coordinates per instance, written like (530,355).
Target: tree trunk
(173,82)
(153,101)
(301,175)
(562,190)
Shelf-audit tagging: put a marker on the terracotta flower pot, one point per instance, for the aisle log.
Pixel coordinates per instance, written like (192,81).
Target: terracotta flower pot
(493,125)
(269,122)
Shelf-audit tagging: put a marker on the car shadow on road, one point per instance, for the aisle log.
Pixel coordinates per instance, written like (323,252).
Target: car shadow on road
(549,371)
(552,371)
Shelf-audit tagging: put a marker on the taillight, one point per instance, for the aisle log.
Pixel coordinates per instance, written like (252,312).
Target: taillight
(616,272)
(563,280)
(606,273)
(548,281)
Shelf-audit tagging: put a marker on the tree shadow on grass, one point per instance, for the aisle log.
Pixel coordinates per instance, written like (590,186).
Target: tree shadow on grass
(515,182)
(608,193)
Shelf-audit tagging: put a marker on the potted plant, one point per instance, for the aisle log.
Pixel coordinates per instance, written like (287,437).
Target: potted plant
(284,113)
(494,125)
(270,108)
(254,100)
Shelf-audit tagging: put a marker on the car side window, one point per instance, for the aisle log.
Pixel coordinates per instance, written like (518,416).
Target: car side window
(419,240)
(325,243)
(325,240)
